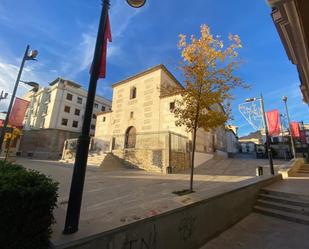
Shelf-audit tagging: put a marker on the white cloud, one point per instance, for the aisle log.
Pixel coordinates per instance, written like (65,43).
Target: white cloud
(8,74)
(81,56)
(70,62)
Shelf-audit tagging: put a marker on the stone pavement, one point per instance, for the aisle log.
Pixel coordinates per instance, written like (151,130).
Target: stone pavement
(297,184)
(258,231)
(117,196)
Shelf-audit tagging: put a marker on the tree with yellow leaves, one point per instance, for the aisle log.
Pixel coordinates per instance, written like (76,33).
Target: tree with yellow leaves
(9,137)
(208,69)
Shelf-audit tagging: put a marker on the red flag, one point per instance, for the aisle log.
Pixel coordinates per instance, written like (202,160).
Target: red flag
(273,122)
(295,131)
(18,112)
(107,36)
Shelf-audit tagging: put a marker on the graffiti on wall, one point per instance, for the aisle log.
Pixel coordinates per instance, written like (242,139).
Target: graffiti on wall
(186,227)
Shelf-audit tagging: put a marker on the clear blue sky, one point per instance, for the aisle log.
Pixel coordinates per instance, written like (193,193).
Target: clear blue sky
(64,33)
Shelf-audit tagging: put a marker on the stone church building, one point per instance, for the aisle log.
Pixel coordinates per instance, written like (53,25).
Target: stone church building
(140,129)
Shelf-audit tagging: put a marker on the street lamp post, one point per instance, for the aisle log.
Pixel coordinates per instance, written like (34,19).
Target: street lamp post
(268,148)
(285,99)
(3,96)
(270,156)
(78,178)
(28,55)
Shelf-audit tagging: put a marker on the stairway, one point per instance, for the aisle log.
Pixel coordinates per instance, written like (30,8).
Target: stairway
(95,159)
(304,169)
(287,206)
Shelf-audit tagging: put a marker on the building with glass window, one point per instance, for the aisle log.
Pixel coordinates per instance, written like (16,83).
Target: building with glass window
(55,113)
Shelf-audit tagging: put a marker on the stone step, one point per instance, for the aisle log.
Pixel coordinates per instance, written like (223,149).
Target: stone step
(96,159)
(305,166)
(298,218)
(292,196)
(283,207)
(303,171)
(283,200)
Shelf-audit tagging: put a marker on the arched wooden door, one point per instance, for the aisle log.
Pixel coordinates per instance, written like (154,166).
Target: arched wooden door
(130,138)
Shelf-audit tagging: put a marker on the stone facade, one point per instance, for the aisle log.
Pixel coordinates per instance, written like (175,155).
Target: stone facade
(44,143)
(139,108)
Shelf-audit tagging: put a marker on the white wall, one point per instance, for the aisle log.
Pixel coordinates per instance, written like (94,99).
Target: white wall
(200,158)
(231,142)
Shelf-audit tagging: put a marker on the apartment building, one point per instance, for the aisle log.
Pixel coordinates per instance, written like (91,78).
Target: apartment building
(61,106)
(56,113)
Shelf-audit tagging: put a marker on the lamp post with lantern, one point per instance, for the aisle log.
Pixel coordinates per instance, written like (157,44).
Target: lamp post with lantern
(268,148)
(28,55)
(78,178)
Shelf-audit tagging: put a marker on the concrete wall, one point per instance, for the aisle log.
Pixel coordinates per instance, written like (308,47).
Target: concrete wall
(200,158)
(222,153)
(291,168)
(44,143)
(188,227)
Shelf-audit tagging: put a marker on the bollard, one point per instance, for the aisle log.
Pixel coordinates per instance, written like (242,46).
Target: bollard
(259,171)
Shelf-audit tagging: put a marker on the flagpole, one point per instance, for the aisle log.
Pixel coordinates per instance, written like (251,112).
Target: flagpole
(78,178)
(268,148)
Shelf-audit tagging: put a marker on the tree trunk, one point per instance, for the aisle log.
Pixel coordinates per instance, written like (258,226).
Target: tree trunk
(194,139)
(192,159)
(8,149)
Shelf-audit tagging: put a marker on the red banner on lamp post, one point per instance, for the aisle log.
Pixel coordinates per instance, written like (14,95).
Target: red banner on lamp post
(273,122)
(295,131)
(107,37)
(18,112)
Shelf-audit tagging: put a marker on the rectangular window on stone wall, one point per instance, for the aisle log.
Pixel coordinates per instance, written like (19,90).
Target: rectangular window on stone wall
(69,96)
(96,105)
(67,109)
(172,106)
(77,112)
(92,127)
(79,100)
(131,114)
(104,118)
(103,108)
(64,122)
(133,92)
(75,124)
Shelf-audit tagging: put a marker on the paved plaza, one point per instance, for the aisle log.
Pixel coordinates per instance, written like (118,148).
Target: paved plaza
(258,231)
(116,196)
